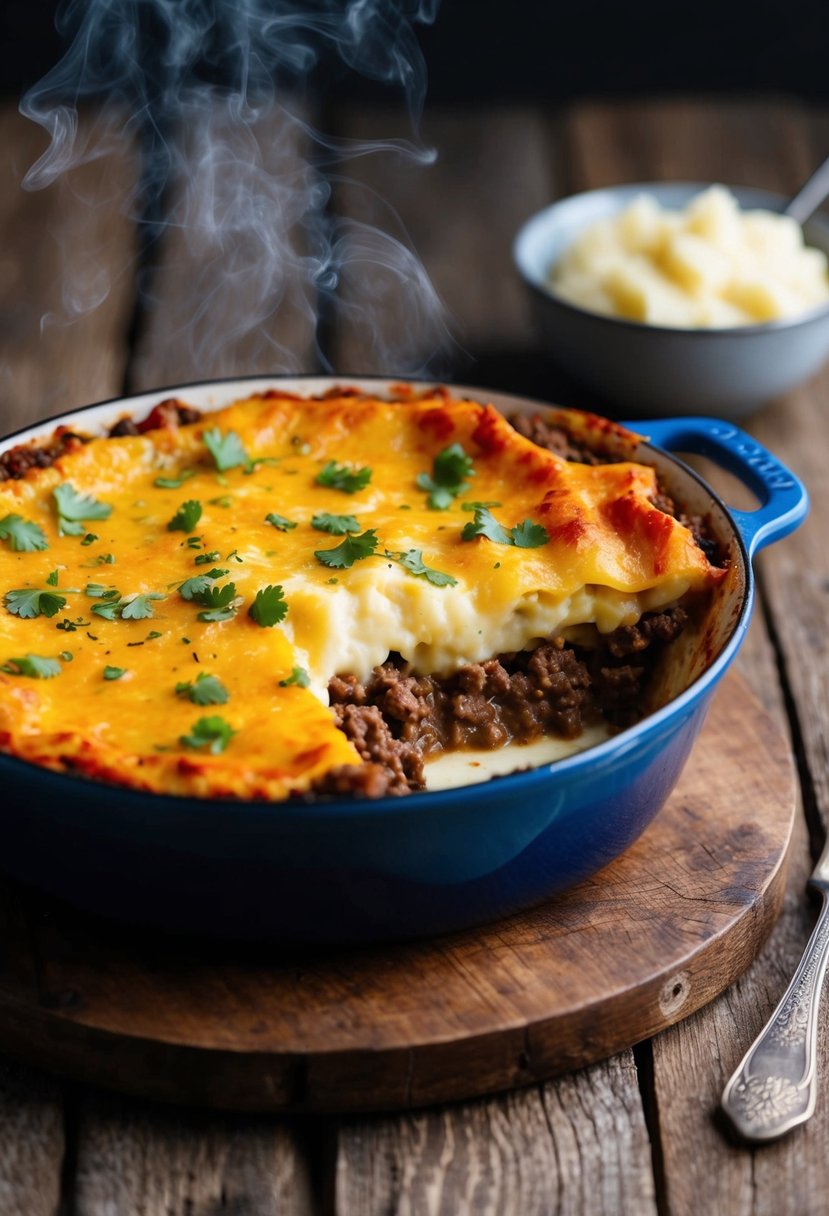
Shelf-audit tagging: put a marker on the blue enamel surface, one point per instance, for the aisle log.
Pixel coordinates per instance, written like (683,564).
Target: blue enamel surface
(365,870)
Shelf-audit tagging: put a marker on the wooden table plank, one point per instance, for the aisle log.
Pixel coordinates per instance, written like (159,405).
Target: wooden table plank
(64,249)
(702,1171)
(135,1158)
(58,251)
(579,1145)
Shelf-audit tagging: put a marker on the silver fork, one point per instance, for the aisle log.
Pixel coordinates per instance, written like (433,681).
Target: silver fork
(775,1086)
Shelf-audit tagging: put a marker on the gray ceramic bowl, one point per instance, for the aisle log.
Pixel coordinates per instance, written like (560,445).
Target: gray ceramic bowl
(652,369)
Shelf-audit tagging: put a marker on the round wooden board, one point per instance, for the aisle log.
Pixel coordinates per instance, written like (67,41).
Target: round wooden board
(650,939)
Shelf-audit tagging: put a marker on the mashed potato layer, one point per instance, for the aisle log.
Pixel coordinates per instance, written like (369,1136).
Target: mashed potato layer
(708,266)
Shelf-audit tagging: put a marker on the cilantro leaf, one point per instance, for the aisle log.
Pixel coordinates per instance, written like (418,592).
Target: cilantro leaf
(29,604)
(127,608)
(34,666)
(450,469)
(341,477)
(174,483)
(218,602)
(349,551)
(114,673)
(23,536)
(299,677)
(227,450)
(207,690)
(72,507)
(269,607)
(337,525)
(529,535)
(204,559)
(279,521)
(412,561)
(138,607)
(486,525)
(52,578)
(214,733)
(186,517)
(194,587)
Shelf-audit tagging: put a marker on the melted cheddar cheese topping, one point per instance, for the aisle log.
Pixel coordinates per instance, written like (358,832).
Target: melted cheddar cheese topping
(609,556)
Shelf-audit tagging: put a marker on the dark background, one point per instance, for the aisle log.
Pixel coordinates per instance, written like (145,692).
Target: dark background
(550,49)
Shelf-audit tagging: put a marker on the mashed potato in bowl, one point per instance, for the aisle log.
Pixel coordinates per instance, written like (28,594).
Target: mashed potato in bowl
(710,265)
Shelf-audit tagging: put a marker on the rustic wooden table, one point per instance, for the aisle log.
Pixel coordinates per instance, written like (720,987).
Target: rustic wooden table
(636,1134)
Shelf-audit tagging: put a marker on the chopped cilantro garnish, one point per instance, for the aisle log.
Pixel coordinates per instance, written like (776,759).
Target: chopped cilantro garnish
(279,522)
(349,551)
(194,588)
(298,676)
(73,507)
(526,535)
(207,690)
(529,535)
(269,607)
(29,604)
(253,465)
(66,655)
(174,483)
(226,450)
(52,578)
(153,634)
(23,536)
(127,608)
(225,500)
(341,477)
(34,666)
(448,479)
(479,506)
(114,673)
(186,517)
(214,733)
(412,561)
(193,542)
(337,525)
(97,591)
(89,539)
(218,602)
(204,558)
(105,559)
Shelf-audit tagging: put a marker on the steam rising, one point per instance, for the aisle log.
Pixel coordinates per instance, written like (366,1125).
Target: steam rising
(210,92)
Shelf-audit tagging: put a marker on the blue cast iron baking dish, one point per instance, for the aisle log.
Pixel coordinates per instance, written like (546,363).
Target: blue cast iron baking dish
(397,867)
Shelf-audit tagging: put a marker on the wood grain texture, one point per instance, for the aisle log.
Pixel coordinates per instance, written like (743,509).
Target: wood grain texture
(578,1146)
(139,1159)
(31,1141)
(459,219)
(768,145)
(643,943)
(66,279)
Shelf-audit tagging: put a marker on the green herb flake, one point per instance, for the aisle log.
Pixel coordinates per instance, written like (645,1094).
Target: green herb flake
(217,601)
(479,506)
(207,690)
(226,450)
(204,558)
(349,551)
(341,477)
(269,607)
(154,633)
(225,500)
(214,733)
(486,525)
(280,522)
(114,673)
(337,525)
(66,655)
(174,483)
(299,677)
(89,539)
(52,578)
(448,479)
(29,604)
(33,666)
(529,535)
(73,507)
(22,535)
(186,517)
(194,588)
(332,581)
(412,561)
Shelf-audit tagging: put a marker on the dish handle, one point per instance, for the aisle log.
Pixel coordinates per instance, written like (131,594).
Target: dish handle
(784,500)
